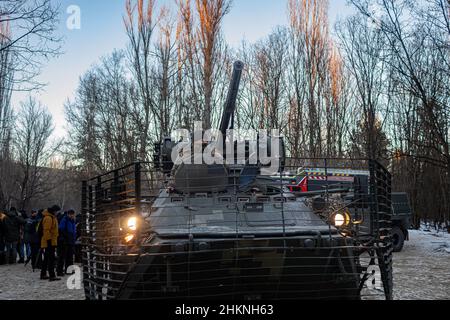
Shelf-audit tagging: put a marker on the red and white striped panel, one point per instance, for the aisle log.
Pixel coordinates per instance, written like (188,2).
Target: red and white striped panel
(317,178)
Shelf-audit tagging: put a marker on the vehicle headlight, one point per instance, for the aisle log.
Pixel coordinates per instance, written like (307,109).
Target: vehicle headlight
(341,219)
(132,223)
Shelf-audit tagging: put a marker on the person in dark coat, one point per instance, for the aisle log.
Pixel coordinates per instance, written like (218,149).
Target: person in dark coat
(78,255)
(2,239)
(31,238)
(60,249)
(61,215)
(40,255)
(49,242)
(12,224)
(66,243)
(21,248)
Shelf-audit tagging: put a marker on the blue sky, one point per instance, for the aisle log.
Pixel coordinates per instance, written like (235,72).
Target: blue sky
(102,31)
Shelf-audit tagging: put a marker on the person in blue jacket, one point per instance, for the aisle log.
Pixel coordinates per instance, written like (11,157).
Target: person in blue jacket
(67,232)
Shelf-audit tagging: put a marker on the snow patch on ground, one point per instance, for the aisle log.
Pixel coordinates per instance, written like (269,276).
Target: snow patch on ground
(430,241)
(18,282)
(422,269)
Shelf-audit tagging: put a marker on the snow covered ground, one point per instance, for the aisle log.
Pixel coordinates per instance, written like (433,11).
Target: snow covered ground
(422,269)
(19,282)
(421,272)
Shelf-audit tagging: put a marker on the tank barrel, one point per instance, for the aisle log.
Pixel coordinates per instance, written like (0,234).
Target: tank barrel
(227,121)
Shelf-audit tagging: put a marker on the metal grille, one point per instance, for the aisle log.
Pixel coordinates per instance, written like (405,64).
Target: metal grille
(215,232)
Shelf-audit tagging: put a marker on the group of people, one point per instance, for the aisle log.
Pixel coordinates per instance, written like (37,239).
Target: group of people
(47,238)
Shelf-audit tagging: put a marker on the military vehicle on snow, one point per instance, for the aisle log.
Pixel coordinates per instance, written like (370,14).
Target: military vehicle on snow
(159,230)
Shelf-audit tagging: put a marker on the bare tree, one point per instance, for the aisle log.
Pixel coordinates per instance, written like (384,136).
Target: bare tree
(417,57)
(27,39)
(409,47)
(165,75)
(364,49)
(31,37)
(6,117)
(338,98)
(188,96)
(33,151)
(309,40)
(83,132)
(6,85)
(203,55)
(262,98)
(140,24)
(105,118)
(210,14)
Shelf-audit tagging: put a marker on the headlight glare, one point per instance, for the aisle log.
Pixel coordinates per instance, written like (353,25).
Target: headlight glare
(341,219)
(132,223)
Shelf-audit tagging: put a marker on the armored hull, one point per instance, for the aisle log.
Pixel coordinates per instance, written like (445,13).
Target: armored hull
(265,268)
(233,252)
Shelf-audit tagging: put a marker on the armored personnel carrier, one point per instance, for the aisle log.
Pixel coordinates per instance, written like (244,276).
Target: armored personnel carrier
(162,230)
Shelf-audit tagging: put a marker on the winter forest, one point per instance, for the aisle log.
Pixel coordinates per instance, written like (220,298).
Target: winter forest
(374,85)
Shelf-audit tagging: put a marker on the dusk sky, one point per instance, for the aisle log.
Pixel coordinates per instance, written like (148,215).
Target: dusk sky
(102,31)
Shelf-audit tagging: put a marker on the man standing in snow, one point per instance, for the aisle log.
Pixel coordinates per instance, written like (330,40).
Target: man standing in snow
(20,245)
(31,238)
(12,224)
(68,233)
(49,241)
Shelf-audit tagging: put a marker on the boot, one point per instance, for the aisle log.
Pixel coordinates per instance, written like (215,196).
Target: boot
(54,279)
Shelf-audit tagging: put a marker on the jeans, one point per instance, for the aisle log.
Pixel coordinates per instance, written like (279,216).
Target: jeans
(28,249)
(11,252)
(34,254)
(20,250)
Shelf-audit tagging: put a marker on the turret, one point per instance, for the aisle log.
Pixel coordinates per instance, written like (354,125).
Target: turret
(162,154)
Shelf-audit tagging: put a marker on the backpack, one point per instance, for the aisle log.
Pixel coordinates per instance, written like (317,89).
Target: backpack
(30,227)
(40,229)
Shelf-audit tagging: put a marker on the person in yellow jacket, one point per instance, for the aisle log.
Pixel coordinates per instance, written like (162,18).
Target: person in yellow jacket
(49,242)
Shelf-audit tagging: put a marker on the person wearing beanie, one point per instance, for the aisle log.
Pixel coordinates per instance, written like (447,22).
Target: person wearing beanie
(49,242)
